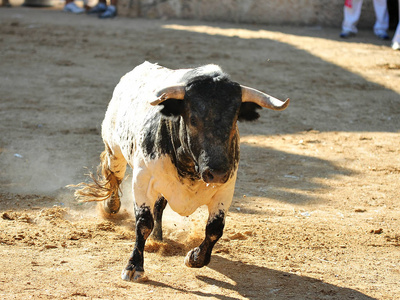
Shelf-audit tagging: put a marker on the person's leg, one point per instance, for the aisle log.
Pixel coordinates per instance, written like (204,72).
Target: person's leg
(111,11)
(382,19)
(99,8)
(351,15)
(396,37)
(5,3)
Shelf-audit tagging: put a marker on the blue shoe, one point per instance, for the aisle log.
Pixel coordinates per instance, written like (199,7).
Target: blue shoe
(347,34)
(73,8)
(382,35)
(98,9)
(111,12)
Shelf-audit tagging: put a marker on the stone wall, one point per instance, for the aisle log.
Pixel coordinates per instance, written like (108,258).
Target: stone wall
(276,12)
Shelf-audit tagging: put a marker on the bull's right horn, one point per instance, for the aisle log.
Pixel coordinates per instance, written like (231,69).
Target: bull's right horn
(174,92)
(262,99)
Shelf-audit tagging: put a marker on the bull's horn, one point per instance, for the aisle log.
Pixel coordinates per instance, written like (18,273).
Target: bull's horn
(262,99)
(174,92)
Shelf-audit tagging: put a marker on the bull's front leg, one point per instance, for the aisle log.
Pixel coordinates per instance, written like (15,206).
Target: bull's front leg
(201,256)
(217,209)
(134,270)
(159,207)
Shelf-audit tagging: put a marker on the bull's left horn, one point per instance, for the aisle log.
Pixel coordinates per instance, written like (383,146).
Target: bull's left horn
(170,92)
(262,99)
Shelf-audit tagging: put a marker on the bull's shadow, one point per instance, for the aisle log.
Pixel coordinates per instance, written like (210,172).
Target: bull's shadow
(250,279)
(255,282)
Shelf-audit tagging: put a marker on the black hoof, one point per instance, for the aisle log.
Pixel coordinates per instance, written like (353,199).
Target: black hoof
(130,274)
(194,259)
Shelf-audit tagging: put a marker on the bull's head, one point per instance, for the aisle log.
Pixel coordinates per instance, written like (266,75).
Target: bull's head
(207,110)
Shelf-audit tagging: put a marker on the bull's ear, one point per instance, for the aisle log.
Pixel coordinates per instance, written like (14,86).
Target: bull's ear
(248,111)
(172,108)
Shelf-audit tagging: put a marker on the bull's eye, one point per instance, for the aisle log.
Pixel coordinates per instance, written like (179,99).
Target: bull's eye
(193,121)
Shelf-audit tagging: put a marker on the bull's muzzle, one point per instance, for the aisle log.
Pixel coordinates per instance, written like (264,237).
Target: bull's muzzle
(214,176)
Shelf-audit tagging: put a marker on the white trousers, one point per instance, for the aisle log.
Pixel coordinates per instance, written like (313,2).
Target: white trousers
(396,37)
(352,15)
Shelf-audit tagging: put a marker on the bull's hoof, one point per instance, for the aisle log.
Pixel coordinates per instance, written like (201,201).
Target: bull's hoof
(130,274)
(193,259)
(112,204)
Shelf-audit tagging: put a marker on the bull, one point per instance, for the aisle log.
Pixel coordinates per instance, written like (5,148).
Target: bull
(177,130)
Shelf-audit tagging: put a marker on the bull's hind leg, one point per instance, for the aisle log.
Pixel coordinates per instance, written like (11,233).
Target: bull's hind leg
(134,270)
(105,187)
(201,256)
(158,213)
(113,167)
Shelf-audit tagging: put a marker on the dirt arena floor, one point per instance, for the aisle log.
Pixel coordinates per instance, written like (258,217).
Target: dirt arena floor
(316,212)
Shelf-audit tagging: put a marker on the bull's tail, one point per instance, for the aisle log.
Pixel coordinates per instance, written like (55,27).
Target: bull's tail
(103,186)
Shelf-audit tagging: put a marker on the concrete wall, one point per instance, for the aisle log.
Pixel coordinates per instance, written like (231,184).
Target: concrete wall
(277,12)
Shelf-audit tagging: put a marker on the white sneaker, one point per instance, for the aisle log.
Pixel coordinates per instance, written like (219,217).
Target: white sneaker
(396,46)
(73,8)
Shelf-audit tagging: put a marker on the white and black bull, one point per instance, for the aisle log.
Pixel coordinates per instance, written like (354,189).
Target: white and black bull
(177,129)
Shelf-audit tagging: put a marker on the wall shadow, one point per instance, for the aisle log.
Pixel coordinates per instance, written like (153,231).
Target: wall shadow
(325,97)
(286,177)
(335,99)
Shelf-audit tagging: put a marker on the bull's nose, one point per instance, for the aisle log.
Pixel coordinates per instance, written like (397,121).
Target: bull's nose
(214,176)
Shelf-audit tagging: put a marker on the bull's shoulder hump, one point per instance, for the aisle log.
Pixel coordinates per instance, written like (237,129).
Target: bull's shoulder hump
(210,69)
(153,76)
(206,71)
(149,66)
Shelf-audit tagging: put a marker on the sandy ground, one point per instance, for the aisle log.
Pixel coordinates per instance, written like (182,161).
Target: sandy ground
(316,212)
